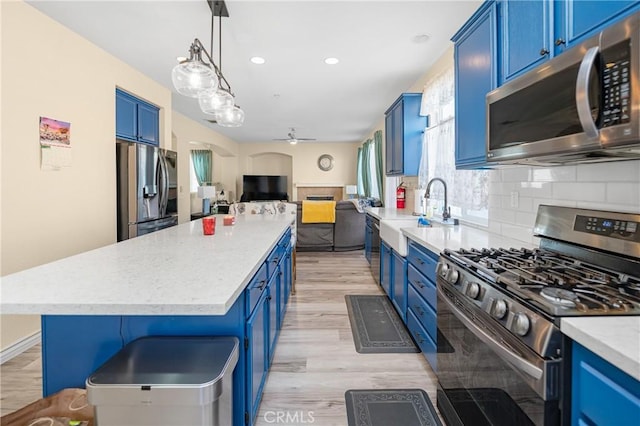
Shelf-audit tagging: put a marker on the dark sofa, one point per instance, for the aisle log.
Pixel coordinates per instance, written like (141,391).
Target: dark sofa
(347,233)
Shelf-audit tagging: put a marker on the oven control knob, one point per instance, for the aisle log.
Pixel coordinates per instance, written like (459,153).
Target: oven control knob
(473,290)
(453,276)
(521,324)
(443,268)
(499,309)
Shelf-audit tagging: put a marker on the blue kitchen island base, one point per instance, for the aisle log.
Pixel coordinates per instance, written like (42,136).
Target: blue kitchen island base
(74,346)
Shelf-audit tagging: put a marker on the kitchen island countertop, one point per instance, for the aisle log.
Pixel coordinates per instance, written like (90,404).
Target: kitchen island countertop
(175,271)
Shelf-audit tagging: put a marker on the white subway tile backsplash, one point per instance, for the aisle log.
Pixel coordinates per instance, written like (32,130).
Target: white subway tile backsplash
(617,171)
(502,215)
(554,174)
(623,193)
(611,186)
(595,192)
(534,189)
(521,233)
(516,174)
(626,208)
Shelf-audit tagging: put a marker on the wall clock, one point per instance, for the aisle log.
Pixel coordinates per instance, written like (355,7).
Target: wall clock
(325,162)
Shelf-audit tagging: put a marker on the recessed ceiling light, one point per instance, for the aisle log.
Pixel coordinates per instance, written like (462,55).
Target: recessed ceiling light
(331,61)
(181,58)
(420,38)
(258,60)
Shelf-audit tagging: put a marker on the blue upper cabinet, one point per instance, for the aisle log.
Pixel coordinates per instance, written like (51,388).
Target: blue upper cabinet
(531,32)
(136,120)
(524,33)
(475,75)
(403,135)
(576,20)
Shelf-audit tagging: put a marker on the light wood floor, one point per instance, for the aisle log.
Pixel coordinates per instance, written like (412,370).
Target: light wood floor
(315,360)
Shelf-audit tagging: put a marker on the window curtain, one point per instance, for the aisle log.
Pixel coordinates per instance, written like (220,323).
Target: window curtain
(202,165)
(377,136)
(366,174)
(360,181)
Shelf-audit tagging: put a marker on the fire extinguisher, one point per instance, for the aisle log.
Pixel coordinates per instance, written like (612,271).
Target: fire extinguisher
(400,196)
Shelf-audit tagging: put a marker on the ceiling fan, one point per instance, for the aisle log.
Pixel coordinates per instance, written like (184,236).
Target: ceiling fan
(292,139)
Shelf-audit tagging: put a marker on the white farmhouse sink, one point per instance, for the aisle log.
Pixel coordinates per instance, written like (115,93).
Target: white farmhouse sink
(390,233)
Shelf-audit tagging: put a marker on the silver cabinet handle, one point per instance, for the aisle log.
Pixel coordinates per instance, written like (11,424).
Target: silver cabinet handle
(504,353)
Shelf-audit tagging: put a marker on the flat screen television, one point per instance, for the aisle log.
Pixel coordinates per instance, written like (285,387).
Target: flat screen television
(264,187)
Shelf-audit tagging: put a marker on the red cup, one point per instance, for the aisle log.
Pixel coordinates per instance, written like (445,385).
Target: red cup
(209,225)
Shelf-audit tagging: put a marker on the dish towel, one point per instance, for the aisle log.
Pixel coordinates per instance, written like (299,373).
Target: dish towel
(318,211)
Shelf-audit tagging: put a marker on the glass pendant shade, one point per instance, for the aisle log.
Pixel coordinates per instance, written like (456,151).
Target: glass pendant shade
(214,101)
(230,117)
(192,77)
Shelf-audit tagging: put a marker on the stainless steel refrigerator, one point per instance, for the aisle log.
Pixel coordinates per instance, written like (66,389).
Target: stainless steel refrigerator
(147,189)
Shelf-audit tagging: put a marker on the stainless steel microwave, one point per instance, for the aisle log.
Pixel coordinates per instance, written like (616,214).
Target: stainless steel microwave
(581,106)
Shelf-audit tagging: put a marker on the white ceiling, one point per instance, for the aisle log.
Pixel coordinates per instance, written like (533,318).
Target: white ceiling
(294,88)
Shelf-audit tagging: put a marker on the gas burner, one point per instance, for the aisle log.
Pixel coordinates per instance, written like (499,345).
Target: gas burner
(560,296)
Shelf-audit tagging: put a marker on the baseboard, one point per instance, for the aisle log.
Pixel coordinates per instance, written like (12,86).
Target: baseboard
(19,347)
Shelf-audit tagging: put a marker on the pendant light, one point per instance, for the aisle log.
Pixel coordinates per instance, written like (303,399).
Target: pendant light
(203,79)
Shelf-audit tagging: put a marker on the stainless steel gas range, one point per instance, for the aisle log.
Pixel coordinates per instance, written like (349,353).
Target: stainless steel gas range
(502,359)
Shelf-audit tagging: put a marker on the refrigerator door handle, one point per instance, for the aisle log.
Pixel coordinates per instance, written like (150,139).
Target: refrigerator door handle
(164,184)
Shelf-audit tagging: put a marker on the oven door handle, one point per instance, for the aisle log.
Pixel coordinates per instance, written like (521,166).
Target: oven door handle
(504,353)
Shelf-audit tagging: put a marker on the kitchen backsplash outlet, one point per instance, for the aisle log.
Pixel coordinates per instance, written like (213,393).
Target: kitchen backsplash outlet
(603,186)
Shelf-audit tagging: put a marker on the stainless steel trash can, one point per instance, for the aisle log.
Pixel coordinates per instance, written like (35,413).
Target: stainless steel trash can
(166,381)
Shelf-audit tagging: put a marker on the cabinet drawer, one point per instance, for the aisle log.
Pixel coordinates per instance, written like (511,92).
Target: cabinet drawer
(424,286)
(426,344)
(423,312)
(273,259)
(255,289)
(423,260)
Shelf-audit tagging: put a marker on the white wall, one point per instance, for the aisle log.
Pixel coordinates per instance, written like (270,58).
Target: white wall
(305,161)
(187,135)
(47,70)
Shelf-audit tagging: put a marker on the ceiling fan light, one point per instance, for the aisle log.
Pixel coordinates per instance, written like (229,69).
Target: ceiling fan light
(293,141)
(192,77)
(231,117)
(214,101)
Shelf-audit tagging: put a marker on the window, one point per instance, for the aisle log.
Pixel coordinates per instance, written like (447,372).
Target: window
(467,190)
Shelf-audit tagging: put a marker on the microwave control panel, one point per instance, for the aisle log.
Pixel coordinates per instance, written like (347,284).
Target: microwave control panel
(616,87)
(622,229)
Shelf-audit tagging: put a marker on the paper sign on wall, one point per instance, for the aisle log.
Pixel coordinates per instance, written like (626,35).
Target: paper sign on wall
(55,144)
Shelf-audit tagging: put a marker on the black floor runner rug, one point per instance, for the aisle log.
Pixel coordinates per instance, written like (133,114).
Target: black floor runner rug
(376,326)
(390,407)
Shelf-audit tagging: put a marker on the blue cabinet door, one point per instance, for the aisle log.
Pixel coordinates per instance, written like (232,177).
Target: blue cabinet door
(385,268)
(136,120)
(601,394)
(257,337)
(399,298)
(148,124)
(576,20)
(403,135)
(273,302)
(525,36)
(126,116)
(475,75)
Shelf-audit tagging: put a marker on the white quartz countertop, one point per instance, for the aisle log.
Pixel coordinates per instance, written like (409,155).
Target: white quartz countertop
(615,339)
(438,238)
(175,271)
(384,213)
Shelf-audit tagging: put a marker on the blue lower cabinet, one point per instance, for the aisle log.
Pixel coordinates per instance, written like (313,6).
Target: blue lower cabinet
(602,394)
(399,298)
(386,277)
(426,344)
(273,302)
(423,311)
(257,347)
